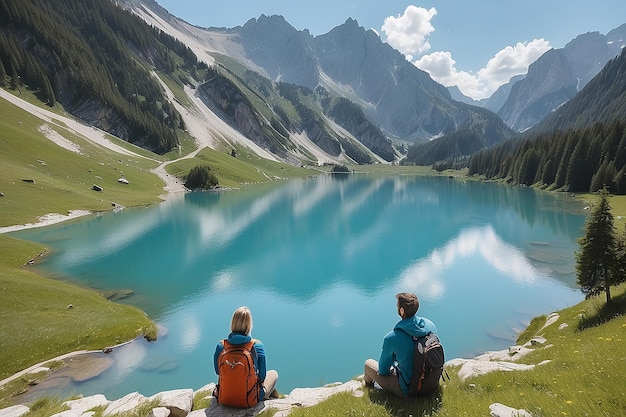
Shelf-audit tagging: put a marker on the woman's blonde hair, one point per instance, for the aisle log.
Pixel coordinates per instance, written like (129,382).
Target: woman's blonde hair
(242,321)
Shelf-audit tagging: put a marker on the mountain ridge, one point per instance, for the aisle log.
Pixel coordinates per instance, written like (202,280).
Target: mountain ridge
(284,91)
(558,75)
(401,99)
(580,147)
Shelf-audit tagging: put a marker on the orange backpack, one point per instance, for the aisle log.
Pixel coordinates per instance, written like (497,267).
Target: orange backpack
(238,383)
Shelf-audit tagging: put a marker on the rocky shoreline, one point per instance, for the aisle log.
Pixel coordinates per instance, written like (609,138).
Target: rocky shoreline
(179,403)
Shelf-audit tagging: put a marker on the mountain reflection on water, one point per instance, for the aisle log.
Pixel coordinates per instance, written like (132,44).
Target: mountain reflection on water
(319,262)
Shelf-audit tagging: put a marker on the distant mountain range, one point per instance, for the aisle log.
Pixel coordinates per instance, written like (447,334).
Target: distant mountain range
(553,79)
(397,98)
(580,147)
(402,100)
(344,96)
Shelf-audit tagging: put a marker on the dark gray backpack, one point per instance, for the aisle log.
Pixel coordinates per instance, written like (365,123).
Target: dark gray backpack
(428,360)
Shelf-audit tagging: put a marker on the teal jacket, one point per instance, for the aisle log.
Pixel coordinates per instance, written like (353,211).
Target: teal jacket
(398,348)
(240,339)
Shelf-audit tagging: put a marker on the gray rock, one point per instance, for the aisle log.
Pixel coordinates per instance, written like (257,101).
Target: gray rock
(299,397)
(83,404)
(537,340)
(501,410)
(179,402)
(208,389)
(14,411)
(124,404)
(73,413)
(216,410)
(159,412)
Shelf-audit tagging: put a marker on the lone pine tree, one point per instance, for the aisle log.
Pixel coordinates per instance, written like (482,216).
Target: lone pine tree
(597,263)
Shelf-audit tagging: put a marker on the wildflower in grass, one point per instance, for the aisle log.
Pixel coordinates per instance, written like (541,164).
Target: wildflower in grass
(569,402)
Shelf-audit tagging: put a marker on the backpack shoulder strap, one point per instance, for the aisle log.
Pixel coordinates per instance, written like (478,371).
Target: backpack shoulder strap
(250,347)
(226,346)
(415,337)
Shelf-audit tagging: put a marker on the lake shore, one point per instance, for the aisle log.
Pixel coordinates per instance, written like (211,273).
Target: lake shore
(94,363)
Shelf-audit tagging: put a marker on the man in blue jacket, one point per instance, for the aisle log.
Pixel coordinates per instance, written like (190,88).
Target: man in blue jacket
(394,369)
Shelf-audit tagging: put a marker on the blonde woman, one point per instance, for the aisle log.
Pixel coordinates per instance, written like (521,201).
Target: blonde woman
(240,384)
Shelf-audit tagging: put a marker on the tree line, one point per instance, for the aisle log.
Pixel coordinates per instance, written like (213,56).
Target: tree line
(577,160)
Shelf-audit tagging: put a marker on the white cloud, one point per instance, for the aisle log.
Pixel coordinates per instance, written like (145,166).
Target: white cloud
(510,61)
(408,33)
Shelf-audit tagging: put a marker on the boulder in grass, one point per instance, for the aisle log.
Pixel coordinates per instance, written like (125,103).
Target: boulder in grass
(82,405)
(159,412)
(179,402)
(14,411)
(124,404)
(501,410)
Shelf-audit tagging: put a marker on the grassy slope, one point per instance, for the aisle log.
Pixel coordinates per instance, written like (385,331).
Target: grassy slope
(63,179)
(245,168)
(586,375)
(36,323)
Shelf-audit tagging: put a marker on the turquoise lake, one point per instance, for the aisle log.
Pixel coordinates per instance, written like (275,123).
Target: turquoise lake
(319,262)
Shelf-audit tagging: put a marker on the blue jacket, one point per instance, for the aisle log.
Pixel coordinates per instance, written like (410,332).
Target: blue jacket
(240,339)
(398,348)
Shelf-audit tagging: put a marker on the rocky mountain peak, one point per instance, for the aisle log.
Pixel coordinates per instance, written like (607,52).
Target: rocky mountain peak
(558,75)
(284,52)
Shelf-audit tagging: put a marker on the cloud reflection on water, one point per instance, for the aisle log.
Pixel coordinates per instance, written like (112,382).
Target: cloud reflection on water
(192,333)
(128,358)
(425,275)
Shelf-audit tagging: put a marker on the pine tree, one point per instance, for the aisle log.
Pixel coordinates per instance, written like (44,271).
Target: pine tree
(597,264)
(621,257)
(201,177)
(3,75)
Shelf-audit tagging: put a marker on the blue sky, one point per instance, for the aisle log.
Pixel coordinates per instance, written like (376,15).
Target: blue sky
(477,45)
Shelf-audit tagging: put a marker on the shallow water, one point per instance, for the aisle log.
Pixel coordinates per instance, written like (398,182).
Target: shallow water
(319,262)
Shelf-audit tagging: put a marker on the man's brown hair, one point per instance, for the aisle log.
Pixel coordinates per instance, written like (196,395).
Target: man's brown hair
(409,302)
